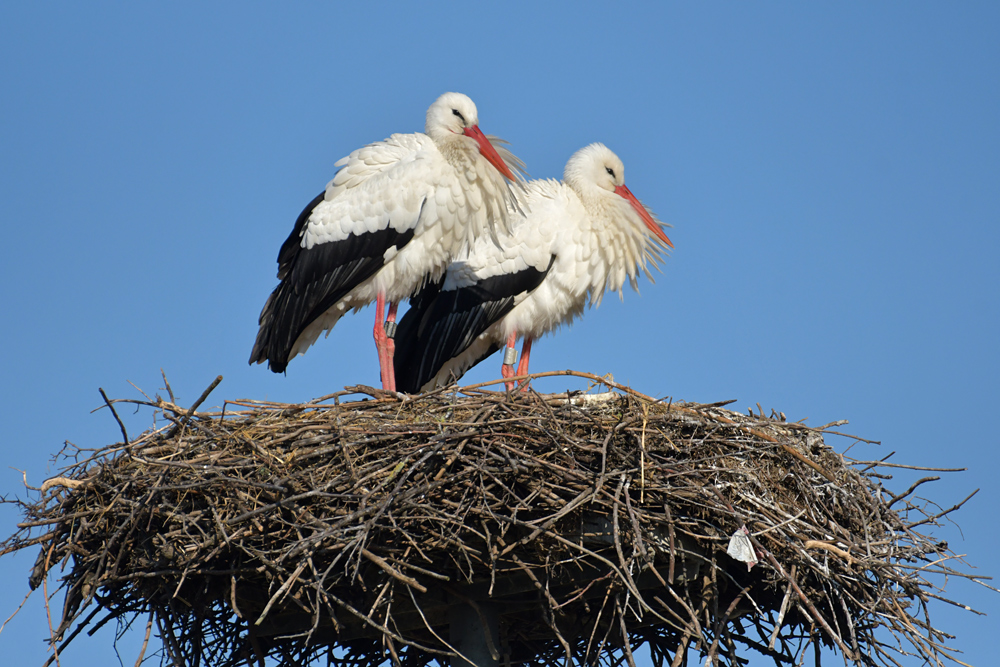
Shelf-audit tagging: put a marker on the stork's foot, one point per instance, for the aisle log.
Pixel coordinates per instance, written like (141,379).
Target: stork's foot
(389,374)
(386,351)
(522,367)
(389,349)
(384,344)
(509,356)
(507,371)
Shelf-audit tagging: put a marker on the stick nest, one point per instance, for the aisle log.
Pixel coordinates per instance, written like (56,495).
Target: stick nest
(592,524)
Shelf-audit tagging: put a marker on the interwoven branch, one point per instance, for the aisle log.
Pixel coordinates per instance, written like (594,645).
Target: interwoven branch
(596,524)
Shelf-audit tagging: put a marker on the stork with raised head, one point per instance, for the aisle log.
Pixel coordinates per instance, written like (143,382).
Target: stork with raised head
(392,218)
(579,238)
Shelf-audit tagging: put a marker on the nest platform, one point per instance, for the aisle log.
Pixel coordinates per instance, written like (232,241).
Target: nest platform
(576,527)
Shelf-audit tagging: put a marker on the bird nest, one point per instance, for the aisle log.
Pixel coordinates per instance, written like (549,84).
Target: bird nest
(588,524)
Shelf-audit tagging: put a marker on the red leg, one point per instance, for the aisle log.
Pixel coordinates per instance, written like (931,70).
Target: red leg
(522,366)
(390,347)
(381,339)
(509,355)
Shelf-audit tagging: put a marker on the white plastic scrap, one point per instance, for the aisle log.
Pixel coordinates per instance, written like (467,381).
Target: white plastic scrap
(741,548)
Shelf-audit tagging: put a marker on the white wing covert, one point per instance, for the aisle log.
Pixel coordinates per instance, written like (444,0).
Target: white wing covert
(338,243)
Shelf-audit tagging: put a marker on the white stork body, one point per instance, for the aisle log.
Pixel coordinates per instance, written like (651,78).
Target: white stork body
(580,237)
(391,219)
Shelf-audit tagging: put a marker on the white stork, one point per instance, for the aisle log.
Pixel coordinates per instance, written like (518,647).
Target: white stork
(394,215)
(580,237)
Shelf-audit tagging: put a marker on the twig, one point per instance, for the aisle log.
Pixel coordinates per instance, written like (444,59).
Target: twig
(125,438)
(201,399)
(145,641)
(392,572)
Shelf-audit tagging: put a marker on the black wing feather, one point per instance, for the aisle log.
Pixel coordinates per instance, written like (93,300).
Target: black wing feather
(290,248)
(313,280)
(442,325)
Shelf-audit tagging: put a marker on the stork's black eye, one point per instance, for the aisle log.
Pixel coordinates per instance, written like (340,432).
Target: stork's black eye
(610,171)
(460,116)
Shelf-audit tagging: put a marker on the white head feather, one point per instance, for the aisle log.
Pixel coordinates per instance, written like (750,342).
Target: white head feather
(453,124)
(597,175)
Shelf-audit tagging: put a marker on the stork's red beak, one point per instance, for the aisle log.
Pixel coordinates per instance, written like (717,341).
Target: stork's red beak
(487,151)
(654,227)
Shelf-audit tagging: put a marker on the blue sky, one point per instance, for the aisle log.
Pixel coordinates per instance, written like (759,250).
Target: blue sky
(832,173)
